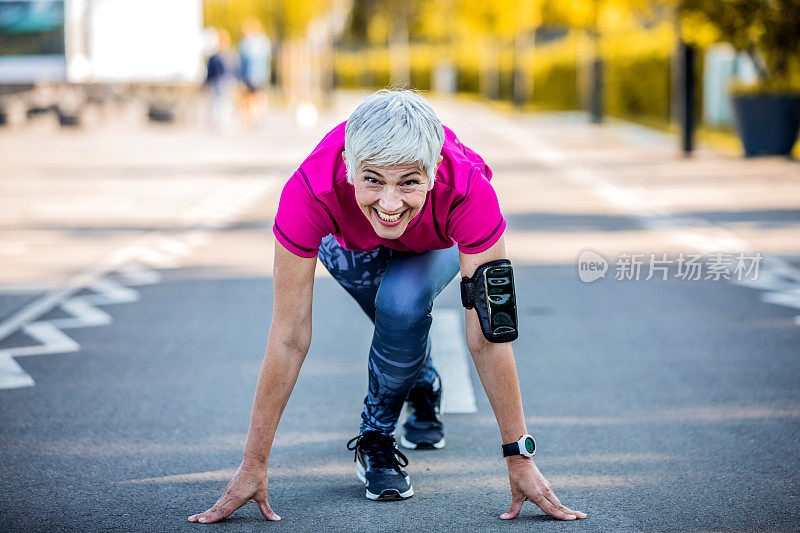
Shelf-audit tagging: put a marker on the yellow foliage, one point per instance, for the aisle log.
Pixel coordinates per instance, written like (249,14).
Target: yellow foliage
(697,30)
(500,18)
(656,42)
(378,29)
(287,18)
(604,15)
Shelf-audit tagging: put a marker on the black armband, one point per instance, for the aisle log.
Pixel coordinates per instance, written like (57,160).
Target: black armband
(490,291)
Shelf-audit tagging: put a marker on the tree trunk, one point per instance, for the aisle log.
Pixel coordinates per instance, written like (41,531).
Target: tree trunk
(399,49)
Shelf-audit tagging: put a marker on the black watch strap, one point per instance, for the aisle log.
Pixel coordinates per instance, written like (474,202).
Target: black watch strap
(512,448)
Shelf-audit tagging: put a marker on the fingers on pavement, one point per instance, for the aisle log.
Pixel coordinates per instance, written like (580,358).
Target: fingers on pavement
(548,507)
(222,509)
(266,510)
(550,495)
(513,512)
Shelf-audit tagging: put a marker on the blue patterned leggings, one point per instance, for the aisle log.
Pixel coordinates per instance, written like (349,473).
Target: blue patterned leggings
(396,290)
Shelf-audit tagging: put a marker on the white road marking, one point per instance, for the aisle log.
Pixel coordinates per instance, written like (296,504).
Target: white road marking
(155,248)
(450,357)
(51,300)
(85,314)
(174,246)
(787,298)
(110,292)
(49,333)
(134,274)
(52,340)
(12,376)
(156,258)
(654,212)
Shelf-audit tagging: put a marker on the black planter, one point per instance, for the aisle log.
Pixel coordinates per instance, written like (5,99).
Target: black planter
(767,124)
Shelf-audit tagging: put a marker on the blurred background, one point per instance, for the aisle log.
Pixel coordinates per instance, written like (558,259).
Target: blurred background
(144,145)
(677,65)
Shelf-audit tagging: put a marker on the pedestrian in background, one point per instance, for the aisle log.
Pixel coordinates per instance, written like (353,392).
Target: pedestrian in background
(254,62)
(220,81)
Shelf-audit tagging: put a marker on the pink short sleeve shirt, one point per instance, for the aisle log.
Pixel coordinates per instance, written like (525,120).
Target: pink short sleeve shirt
(317,200)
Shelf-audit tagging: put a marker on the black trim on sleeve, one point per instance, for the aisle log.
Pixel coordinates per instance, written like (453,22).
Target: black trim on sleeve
(473,245)
(294,243)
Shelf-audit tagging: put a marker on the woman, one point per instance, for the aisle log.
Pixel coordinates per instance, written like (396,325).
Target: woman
(381,201)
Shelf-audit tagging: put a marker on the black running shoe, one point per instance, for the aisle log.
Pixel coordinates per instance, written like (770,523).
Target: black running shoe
(378,463)
(424,427)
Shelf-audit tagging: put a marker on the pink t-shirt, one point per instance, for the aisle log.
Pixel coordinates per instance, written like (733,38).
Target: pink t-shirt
(317,200)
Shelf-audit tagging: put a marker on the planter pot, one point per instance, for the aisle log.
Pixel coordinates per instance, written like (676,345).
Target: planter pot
(767,124)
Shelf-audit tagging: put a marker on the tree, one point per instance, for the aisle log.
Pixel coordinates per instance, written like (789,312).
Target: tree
(282,18)
(767,31)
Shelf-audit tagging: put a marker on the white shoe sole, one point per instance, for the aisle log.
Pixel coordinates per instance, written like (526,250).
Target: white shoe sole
(405,443)
(361,477)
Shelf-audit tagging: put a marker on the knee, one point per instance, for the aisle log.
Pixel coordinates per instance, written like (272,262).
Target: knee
(404,310)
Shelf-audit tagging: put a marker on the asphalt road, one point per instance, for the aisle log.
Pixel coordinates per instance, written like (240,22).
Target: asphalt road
(657,405)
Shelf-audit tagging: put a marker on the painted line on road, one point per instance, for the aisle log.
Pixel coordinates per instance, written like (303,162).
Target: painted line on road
(133,274)
(654,212)
(450,357)
(155,248)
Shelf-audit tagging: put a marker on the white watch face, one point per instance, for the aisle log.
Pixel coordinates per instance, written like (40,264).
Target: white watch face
(527,446)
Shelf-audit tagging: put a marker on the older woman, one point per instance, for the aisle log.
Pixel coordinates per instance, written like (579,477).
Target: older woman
(394,205)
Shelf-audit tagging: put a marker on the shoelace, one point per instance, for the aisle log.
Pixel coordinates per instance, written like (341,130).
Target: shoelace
(380,448)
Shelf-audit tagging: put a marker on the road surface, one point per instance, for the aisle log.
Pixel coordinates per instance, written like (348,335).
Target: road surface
(135,300)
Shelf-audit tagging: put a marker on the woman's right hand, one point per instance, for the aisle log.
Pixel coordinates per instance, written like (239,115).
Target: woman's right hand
(249,484)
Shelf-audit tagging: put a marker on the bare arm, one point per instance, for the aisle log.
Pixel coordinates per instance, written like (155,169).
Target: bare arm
(287,345)
(494,361)
(498,372)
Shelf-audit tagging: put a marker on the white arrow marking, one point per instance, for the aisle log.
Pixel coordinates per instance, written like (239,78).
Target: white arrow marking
(110,292)
(12,376)
(84,314)
(52,340)
(137,274)
(154,248)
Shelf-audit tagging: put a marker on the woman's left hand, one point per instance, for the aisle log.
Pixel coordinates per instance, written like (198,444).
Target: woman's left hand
(527,483)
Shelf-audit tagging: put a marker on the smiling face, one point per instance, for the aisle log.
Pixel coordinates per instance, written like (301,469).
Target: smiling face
(390,196)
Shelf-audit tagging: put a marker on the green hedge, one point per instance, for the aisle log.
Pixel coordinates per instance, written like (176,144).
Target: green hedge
(638,86)
(637,71)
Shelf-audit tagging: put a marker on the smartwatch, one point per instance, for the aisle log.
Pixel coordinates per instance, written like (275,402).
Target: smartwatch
(524,446)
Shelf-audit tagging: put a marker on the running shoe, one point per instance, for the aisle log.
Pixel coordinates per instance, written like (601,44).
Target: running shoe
(424,427)
(378,466)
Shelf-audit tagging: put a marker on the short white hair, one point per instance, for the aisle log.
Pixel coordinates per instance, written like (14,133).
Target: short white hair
(393,127)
